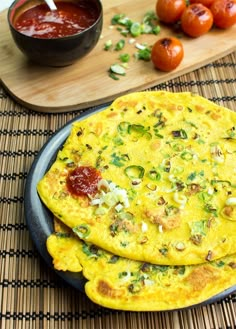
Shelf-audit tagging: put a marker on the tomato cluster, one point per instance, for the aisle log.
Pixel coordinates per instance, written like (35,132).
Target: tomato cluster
(198,17)
(195,19)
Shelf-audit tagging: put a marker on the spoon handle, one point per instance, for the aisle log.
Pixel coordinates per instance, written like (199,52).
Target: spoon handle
(51,4)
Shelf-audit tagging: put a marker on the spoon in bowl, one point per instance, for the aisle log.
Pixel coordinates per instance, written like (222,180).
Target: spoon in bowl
(51,4)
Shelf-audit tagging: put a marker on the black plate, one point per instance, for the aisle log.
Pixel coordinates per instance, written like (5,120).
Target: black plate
(40,220)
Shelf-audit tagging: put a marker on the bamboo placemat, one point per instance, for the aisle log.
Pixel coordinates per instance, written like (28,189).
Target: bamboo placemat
(32,295)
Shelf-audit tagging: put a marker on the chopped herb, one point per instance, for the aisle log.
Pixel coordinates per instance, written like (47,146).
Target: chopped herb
(124,58)
(134,172)
(161,268)
(118,141)
(113,76)
(135,29)
(118,160)
(204,196)
(138,130)
(108,45)
(153,174)
(124,243)
(192,176)
(86,250)
(82,231)
(223,182)
(191,124)
(122,275)
(120,45)
(114,228)
(134,288)
(201,141)
(126,26)
(116,18)
(143,54)
(220,263)
(231,133)
(132,194)
(91,251)
(157,134)
(186,155)
(177,147)
(164,251)
(210,208)
(199,227)
(63,234)
(117,69)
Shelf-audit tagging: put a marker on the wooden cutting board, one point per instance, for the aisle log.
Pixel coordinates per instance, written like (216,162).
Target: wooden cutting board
(86,83)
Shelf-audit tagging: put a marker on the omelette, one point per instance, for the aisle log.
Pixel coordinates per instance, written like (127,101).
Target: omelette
(151,178)
(125,284)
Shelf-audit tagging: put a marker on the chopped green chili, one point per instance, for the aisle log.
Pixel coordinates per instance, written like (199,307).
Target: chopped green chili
(134,171)
(82,231)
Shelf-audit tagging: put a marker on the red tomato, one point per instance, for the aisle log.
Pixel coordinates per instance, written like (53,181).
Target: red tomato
(224,13)
(196,20)
(167,54)
(170,11)
(206,3)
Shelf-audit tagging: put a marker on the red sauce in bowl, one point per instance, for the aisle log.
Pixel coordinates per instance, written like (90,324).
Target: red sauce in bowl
(69,18)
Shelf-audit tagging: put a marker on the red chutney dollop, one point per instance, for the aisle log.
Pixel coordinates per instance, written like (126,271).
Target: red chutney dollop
(83,181)
(69,18)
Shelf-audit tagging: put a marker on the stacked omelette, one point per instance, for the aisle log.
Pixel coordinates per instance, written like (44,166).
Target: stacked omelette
(143,196)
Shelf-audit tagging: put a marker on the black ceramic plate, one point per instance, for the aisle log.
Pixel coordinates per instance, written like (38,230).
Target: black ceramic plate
(40,220)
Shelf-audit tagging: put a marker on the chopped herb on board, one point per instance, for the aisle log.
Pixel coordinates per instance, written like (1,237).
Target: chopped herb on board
(128,27)
(120,45)
(124,58)
(116,69)
(108,45)
(143,53)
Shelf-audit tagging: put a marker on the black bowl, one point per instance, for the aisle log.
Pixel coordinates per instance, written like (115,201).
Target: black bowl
(59,51)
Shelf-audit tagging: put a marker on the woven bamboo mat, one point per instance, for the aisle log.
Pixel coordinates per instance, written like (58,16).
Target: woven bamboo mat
(31,295)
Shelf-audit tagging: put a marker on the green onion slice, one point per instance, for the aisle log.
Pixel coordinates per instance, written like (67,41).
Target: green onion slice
(134,171)
(82,231)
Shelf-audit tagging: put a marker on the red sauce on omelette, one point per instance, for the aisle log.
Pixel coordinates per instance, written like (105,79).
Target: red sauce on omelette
(83,181)
(69,18)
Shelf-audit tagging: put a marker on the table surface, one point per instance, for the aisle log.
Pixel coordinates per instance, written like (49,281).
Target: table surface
(31,294)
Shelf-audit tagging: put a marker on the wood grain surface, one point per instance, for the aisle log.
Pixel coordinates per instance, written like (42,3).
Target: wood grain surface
(86,83)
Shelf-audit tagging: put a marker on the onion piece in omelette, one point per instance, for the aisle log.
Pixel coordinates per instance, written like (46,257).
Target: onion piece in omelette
(163,171)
